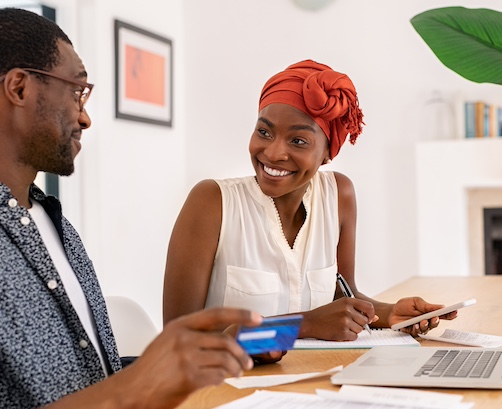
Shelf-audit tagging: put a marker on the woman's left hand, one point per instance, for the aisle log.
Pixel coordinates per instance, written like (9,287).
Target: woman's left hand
(410,307)
(268,358)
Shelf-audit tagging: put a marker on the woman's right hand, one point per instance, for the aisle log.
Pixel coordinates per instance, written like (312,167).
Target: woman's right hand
(340,320)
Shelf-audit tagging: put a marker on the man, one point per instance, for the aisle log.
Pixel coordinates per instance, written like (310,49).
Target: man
(56,343)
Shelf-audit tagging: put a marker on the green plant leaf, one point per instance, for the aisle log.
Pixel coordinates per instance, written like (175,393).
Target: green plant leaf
(468,41)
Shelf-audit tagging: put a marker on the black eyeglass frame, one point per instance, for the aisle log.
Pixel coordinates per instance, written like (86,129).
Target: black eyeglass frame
(84,96)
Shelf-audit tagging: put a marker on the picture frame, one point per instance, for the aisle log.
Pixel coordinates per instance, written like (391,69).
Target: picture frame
(143,75)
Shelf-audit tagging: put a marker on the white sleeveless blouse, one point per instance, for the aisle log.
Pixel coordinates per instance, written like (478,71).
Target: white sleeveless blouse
(256,269)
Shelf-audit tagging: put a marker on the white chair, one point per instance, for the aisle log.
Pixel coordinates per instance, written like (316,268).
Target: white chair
(132,327)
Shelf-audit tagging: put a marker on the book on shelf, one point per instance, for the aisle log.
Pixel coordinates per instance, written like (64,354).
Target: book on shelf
(482,120)
(470,128)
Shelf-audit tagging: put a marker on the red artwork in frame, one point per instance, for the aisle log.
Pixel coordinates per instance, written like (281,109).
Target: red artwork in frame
(143,75)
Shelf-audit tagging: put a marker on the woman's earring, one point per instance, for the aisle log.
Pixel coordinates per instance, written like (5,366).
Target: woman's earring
(327,161)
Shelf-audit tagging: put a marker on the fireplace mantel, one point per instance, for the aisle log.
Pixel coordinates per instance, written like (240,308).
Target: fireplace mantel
(446,172)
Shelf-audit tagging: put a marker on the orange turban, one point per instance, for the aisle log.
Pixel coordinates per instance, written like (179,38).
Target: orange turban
(327,96)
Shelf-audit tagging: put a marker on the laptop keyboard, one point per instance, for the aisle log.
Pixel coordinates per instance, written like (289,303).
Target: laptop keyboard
(460,364)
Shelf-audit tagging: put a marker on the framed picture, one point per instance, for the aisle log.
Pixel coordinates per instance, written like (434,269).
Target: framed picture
(143,75)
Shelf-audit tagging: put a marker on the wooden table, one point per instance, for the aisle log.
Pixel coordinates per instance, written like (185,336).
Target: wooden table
(482,317)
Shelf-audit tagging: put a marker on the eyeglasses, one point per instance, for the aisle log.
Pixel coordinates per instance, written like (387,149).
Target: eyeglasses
(83,94)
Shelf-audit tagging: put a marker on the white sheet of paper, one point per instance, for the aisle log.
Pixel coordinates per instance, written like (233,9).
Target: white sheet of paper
(364,340)
(292,400)
(273,380)
(278,400)
(395,396)
(466,338)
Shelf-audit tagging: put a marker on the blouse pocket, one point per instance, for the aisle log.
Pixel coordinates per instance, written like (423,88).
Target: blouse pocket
(252,290)
(322,284)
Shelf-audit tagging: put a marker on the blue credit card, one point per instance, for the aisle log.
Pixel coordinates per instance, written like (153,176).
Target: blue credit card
(273,334)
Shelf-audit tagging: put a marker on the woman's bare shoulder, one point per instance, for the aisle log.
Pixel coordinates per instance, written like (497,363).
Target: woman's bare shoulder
(344,184)
(206,189)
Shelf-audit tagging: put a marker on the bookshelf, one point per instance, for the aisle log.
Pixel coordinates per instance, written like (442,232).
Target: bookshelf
(482,120)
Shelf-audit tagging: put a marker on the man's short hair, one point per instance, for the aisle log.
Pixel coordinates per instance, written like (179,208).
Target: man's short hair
(28,40)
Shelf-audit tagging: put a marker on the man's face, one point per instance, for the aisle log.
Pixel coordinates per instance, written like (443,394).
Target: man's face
(53,138)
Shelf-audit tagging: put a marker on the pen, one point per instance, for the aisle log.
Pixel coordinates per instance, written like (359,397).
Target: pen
(347,292)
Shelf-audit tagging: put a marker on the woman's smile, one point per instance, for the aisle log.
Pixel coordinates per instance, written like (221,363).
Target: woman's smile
(276,172)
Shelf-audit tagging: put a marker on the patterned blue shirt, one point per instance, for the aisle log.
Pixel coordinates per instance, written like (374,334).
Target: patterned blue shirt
(45,352)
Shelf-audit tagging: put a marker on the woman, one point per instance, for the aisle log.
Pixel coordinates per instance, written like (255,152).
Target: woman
(274,242)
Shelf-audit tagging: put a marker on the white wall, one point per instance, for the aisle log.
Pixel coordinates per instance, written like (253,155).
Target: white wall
(133,177)
(134,172)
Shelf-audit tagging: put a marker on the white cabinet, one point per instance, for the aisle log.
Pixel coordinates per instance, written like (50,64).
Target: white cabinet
(446,172)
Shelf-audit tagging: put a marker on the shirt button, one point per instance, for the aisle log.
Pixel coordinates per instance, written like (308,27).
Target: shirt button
(12,202)
(83,344)
(52,284)
(25,221)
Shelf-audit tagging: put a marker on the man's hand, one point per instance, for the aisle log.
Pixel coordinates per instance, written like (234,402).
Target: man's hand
(189,354)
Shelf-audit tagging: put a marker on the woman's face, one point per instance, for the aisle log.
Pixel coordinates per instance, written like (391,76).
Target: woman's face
(287,147)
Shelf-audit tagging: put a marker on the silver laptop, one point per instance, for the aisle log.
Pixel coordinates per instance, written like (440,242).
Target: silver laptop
(430,367)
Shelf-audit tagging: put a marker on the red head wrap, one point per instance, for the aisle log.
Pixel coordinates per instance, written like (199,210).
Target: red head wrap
(327,96)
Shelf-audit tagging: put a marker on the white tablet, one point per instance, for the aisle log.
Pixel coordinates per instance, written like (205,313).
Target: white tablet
(435,313)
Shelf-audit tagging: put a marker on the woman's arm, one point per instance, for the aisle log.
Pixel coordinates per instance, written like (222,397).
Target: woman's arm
(347,217)
(191,251)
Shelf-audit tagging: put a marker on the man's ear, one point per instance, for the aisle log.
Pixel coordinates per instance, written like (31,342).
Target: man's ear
(15,86)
